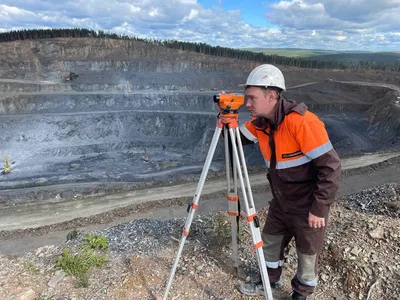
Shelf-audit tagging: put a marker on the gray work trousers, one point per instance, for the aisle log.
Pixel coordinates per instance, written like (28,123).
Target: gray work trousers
(279,229)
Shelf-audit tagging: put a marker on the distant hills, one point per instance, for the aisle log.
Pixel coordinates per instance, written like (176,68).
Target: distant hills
(301,58)
(292,52)
(332,55)
(378,57)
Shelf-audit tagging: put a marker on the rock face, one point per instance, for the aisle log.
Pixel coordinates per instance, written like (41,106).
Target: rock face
(52,59)
(131,100)
(384,117)
(45,58)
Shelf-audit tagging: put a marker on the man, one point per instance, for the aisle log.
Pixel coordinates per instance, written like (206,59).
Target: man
(303,172)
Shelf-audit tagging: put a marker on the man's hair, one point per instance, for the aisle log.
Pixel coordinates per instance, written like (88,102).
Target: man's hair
(277,90)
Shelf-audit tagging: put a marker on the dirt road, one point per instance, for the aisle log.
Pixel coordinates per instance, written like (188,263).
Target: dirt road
(26,81)
(212,200)
(50,212)
(389,86)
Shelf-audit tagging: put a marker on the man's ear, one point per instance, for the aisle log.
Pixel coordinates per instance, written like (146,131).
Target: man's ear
(271,96)
(275,95)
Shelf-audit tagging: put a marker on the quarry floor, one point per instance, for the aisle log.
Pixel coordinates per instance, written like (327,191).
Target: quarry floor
(84,140)
(35,224)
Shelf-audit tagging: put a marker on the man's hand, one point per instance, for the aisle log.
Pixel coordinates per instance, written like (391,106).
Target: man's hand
(315,222)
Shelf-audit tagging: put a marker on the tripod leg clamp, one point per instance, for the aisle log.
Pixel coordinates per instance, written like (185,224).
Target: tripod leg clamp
(185,232)
(254,218)
(192,205)
(233,205)
(258,245)
(256,221)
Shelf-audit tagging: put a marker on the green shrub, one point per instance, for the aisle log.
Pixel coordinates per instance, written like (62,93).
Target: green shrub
(79,264)
(95,241)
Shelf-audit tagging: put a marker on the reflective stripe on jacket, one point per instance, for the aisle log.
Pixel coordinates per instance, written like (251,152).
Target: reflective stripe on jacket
(303,167)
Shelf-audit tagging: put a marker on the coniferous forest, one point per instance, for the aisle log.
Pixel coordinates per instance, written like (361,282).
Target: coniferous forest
(302,62)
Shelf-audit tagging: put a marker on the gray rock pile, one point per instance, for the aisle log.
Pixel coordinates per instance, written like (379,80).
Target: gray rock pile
(380,200)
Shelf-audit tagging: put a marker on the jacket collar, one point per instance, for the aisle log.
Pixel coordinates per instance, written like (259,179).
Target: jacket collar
(283,108)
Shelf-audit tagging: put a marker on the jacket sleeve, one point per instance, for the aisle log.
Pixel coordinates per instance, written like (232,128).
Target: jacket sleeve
(328,168)
(248,133)
(315,144)
(246,138)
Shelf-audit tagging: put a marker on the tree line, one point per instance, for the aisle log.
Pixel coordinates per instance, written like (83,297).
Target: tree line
(302,62)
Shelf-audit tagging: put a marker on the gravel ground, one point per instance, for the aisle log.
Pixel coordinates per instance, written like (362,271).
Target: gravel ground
(141,236)
(360,259)
(382,200)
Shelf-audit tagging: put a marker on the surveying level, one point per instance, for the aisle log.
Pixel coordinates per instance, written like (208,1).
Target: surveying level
(228,120)
(229,103)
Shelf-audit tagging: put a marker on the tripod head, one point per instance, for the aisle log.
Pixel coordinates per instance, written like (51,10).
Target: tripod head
(229,103)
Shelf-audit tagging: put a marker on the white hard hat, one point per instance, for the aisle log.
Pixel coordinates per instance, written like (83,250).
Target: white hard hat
(266,75)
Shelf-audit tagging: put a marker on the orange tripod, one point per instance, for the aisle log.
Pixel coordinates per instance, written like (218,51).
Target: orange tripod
(228,121)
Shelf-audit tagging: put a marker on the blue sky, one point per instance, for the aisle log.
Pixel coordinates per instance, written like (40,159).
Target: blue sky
(369,25)
(252,11)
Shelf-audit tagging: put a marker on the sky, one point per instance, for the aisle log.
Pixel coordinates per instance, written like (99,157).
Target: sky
(361,25)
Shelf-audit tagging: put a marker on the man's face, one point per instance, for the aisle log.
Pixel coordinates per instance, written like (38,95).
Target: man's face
(260,102)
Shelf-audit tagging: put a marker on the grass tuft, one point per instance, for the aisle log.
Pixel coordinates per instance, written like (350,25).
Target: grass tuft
(90,254)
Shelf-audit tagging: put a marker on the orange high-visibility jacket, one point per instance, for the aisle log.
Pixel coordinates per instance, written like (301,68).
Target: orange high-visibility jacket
(303,167)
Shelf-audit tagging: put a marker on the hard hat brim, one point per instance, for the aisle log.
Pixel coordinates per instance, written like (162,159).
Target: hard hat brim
(245,85)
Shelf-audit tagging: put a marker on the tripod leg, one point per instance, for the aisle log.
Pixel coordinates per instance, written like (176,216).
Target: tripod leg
(252,218)
(232,197)
(194,206)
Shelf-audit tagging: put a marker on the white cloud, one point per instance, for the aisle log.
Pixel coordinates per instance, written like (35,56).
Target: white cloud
(194,13)
(336,14)
(333,24)
(352,23)
(359,11)
(11,13)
